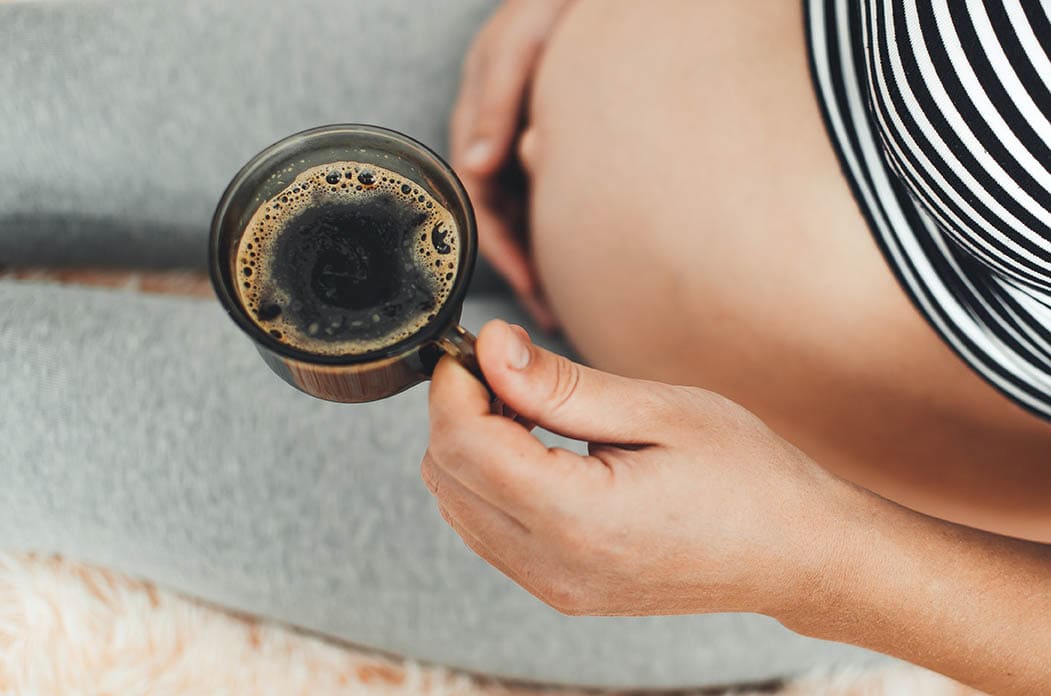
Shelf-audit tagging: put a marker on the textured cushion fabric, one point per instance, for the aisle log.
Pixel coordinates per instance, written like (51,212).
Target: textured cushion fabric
(123,121)
(144,434)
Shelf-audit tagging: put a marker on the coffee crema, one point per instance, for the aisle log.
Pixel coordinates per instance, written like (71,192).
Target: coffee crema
(347,259)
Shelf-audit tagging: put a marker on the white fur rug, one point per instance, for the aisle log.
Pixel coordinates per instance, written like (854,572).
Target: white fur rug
(71,629)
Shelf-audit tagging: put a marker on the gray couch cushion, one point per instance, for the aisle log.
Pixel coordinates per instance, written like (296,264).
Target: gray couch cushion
(123,121)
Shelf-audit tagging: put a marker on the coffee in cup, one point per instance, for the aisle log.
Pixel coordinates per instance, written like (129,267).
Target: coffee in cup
(348,258)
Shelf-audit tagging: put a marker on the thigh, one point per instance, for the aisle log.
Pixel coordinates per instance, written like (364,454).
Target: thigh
(691,224)
(144,434)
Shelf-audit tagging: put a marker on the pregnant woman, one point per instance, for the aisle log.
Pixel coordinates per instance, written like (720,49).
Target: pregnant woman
(803,247)
(846,231)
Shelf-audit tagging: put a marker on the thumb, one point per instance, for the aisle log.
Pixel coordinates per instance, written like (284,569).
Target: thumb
(568,398)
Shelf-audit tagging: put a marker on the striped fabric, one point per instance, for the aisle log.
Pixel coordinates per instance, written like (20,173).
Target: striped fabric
(940,111)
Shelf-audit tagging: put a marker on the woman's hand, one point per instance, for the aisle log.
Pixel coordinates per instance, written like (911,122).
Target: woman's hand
(686,503)
(485,123)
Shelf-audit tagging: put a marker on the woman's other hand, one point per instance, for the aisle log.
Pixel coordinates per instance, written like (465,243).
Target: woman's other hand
(485,124)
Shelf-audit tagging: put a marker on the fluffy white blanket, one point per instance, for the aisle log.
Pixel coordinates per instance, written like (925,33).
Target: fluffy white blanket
(71,629)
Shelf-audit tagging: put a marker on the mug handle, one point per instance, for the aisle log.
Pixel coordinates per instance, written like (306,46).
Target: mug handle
(458,343)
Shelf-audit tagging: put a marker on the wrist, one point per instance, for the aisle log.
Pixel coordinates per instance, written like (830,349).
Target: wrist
(834,540)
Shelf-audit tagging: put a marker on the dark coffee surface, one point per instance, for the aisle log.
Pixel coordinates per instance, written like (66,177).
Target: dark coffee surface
(347,259)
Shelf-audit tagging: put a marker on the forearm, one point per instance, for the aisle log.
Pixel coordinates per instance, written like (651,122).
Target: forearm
(969,604)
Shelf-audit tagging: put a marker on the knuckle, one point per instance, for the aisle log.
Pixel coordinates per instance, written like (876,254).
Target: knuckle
(447,460)
(573,538)
(696,400)
(450,520)
(471,543)
(439,436)
(673,405)
(450,462)
(452,453)
(429,475)
(565,382)
(439,412)
(565,596)
(691,406)
(448,433)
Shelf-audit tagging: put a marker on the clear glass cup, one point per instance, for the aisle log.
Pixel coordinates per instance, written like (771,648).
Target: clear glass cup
(379,373)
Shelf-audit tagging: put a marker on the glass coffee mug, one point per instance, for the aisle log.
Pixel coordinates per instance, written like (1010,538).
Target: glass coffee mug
(377,373)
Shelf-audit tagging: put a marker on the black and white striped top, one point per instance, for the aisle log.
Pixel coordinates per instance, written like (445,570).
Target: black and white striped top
(941,114)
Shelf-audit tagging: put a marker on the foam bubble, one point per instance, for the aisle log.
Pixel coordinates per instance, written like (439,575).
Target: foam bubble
(265,300)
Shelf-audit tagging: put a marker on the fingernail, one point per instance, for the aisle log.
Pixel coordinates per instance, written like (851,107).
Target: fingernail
(478,154)
(517,348)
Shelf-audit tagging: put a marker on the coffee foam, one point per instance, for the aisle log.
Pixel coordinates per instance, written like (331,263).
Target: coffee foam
(435,251)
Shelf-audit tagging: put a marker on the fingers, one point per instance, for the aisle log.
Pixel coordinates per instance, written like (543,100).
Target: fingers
(514,553)
(569,398)
(477,545)
(466,102)
(496,116)
(489,106)
(515,558)
(489,523)
(492,456)
(485,121)
(497,240)
(506,253)
(502,245)
(465,512)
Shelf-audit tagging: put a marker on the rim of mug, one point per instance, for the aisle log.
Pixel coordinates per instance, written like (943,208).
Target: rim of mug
(221,275)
